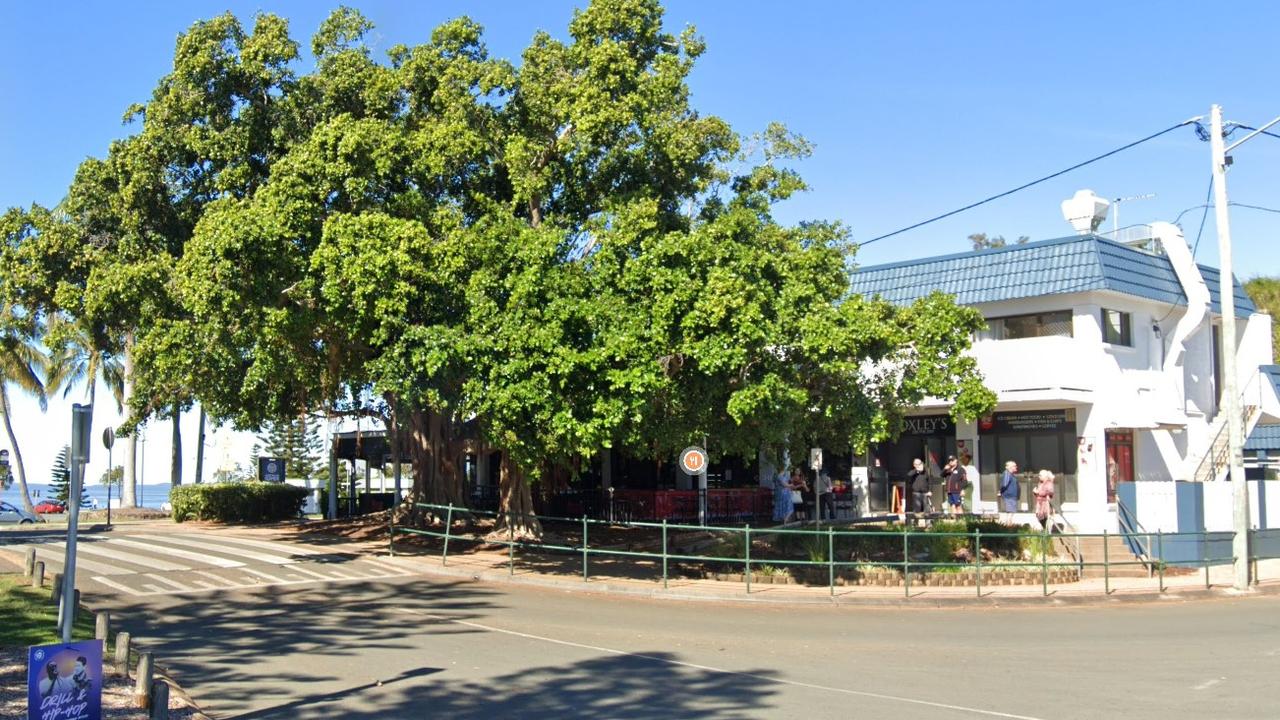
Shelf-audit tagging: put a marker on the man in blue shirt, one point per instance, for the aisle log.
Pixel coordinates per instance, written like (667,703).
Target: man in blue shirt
(1009,489)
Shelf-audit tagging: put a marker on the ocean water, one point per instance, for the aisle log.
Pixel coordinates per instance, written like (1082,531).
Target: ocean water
(149,495)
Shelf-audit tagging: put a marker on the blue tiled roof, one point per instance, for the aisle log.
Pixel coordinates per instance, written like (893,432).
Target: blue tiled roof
(1049,267)
(1264,437)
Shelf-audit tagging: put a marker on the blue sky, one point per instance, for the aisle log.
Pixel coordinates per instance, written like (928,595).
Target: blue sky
(915,108)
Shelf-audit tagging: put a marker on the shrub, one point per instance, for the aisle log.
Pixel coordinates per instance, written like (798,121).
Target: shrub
(236,502)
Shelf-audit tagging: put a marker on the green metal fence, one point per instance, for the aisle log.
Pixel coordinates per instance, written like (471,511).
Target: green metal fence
(824,558)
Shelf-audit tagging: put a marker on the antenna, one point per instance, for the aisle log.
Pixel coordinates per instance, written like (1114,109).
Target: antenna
(1115,218)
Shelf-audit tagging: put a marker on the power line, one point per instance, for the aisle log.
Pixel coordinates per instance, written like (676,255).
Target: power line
(1254,207)
(1204,216)
(1006,193)
(1251,129)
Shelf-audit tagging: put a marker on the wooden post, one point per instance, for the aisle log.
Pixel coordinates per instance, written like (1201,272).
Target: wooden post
(37,575)
(31,563)
(160,700)
(56,589)
(142,690)
(102,626)
(122,654)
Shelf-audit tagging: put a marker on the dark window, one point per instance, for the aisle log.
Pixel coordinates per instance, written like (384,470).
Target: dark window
(1028,326)
(1117,328)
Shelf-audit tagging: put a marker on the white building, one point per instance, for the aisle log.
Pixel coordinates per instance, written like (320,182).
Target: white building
(1105,359)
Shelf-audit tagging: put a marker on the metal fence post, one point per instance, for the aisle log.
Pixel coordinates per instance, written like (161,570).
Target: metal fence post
(664,553)
(511,547)
(448,525)
(906,564)
(831,559)
(1044,560)
(977,556)
(1106,564)
(391,535)
(747,555)
(1204,557)
(584,548)
(1160,552)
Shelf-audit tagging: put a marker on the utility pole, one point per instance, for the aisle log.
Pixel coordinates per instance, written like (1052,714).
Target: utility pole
(81,422)
(1230,392)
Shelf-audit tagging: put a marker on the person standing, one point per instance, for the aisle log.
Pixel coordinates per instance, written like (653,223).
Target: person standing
(918,484)
(957,479)
(783,506)
(1009,490)
(826,497)
(1044,498)
(801,495)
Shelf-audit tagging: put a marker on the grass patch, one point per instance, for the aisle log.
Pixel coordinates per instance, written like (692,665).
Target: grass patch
(29,618)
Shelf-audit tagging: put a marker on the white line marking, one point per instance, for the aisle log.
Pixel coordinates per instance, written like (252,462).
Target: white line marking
(312,573)
(224,549)
(708,668)
(51,559)
(267,576)
(118,586)
(275,546)
(222,582)
(95,548)
(163,550)
(166,581)
(156,590)
(1209,683)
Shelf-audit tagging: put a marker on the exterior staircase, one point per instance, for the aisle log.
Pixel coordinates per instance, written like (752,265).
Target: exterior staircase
(1216,461)
(1117,551)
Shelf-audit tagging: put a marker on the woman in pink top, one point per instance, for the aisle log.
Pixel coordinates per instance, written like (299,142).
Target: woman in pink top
(1044,498)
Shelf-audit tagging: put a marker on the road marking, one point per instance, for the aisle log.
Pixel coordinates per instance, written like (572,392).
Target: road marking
(198,557)
(276,546)
(1209,683)
(116,585)
(266,576)
(708,668)
(224,549)
(156,590)
(50,559)
(222,582)
(312,573)
(166,581)
(94,548)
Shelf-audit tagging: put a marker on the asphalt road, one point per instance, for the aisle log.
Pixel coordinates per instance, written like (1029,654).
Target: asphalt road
(408,646)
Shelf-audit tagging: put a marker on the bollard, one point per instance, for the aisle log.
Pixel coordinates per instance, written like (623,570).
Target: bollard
(55,590)
(37,575)
(160,700)
(31,562)
(102,626)
(122,655)
(142,690)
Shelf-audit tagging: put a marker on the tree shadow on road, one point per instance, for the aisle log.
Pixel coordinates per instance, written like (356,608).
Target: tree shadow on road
(653,686)
(215,644)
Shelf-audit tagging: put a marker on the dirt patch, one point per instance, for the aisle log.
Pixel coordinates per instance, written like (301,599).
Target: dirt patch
(117,693)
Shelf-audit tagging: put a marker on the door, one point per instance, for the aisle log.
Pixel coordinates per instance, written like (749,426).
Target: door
(1119,460)
(9,513)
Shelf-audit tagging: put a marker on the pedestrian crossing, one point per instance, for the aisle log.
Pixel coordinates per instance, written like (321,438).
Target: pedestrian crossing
(142,564)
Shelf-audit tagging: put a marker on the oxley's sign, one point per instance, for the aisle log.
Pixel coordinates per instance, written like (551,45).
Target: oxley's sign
(928,425)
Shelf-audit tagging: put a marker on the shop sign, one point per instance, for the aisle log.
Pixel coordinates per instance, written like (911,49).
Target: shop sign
(928,425)
(1032,421)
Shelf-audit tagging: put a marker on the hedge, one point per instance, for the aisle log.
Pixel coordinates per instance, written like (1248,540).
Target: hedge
(237,502)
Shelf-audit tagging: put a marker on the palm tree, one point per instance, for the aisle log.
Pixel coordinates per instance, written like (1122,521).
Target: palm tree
(21,363)
(78,357)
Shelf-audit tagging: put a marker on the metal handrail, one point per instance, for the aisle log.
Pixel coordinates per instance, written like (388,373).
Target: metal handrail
(1131,528)
(1217,459)
(1073,534)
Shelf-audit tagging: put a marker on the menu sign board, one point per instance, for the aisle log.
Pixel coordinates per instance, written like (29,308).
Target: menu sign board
(1031,421)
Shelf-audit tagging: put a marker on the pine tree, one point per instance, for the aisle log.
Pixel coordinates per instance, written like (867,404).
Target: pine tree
(60,478)
(298,443)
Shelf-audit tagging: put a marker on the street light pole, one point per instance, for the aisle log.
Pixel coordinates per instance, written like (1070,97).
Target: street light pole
(1230,392)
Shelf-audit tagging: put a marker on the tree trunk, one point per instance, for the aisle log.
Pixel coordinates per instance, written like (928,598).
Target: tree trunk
(175,452)
(129,483)
(515,510)
(19,470)
(200,450)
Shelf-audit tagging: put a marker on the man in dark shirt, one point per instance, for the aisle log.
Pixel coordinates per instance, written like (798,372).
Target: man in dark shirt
(918,485)
(957,480)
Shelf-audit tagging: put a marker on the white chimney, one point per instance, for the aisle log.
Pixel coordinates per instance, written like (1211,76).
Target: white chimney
(1085,211)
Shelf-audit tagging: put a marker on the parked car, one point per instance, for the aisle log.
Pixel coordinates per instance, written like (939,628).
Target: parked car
(16,515)
(48,507)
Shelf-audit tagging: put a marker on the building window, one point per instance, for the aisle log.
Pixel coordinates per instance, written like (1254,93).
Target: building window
(1117,328)
(1013,327)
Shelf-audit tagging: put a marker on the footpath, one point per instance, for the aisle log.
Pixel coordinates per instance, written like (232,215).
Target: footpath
(564,572)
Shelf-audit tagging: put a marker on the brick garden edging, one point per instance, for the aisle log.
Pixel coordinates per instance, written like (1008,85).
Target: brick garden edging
(888,577)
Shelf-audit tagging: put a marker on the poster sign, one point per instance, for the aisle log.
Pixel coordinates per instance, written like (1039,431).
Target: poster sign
(815,458)
(271,469)
(928,425)
(1033,421)
(693,461)
(64,681)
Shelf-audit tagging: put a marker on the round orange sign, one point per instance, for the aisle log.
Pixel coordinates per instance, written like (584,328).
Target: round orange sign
(693,461)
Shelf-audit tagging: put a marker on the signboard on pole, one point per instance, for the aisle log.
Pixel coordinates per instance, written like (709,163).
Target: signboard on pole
(64,681)
(271,469)
(693,461)
(815,458)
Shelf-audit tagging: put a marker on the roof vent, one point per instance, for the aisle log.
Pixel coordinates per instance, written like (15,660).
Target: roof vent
(1085,211)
